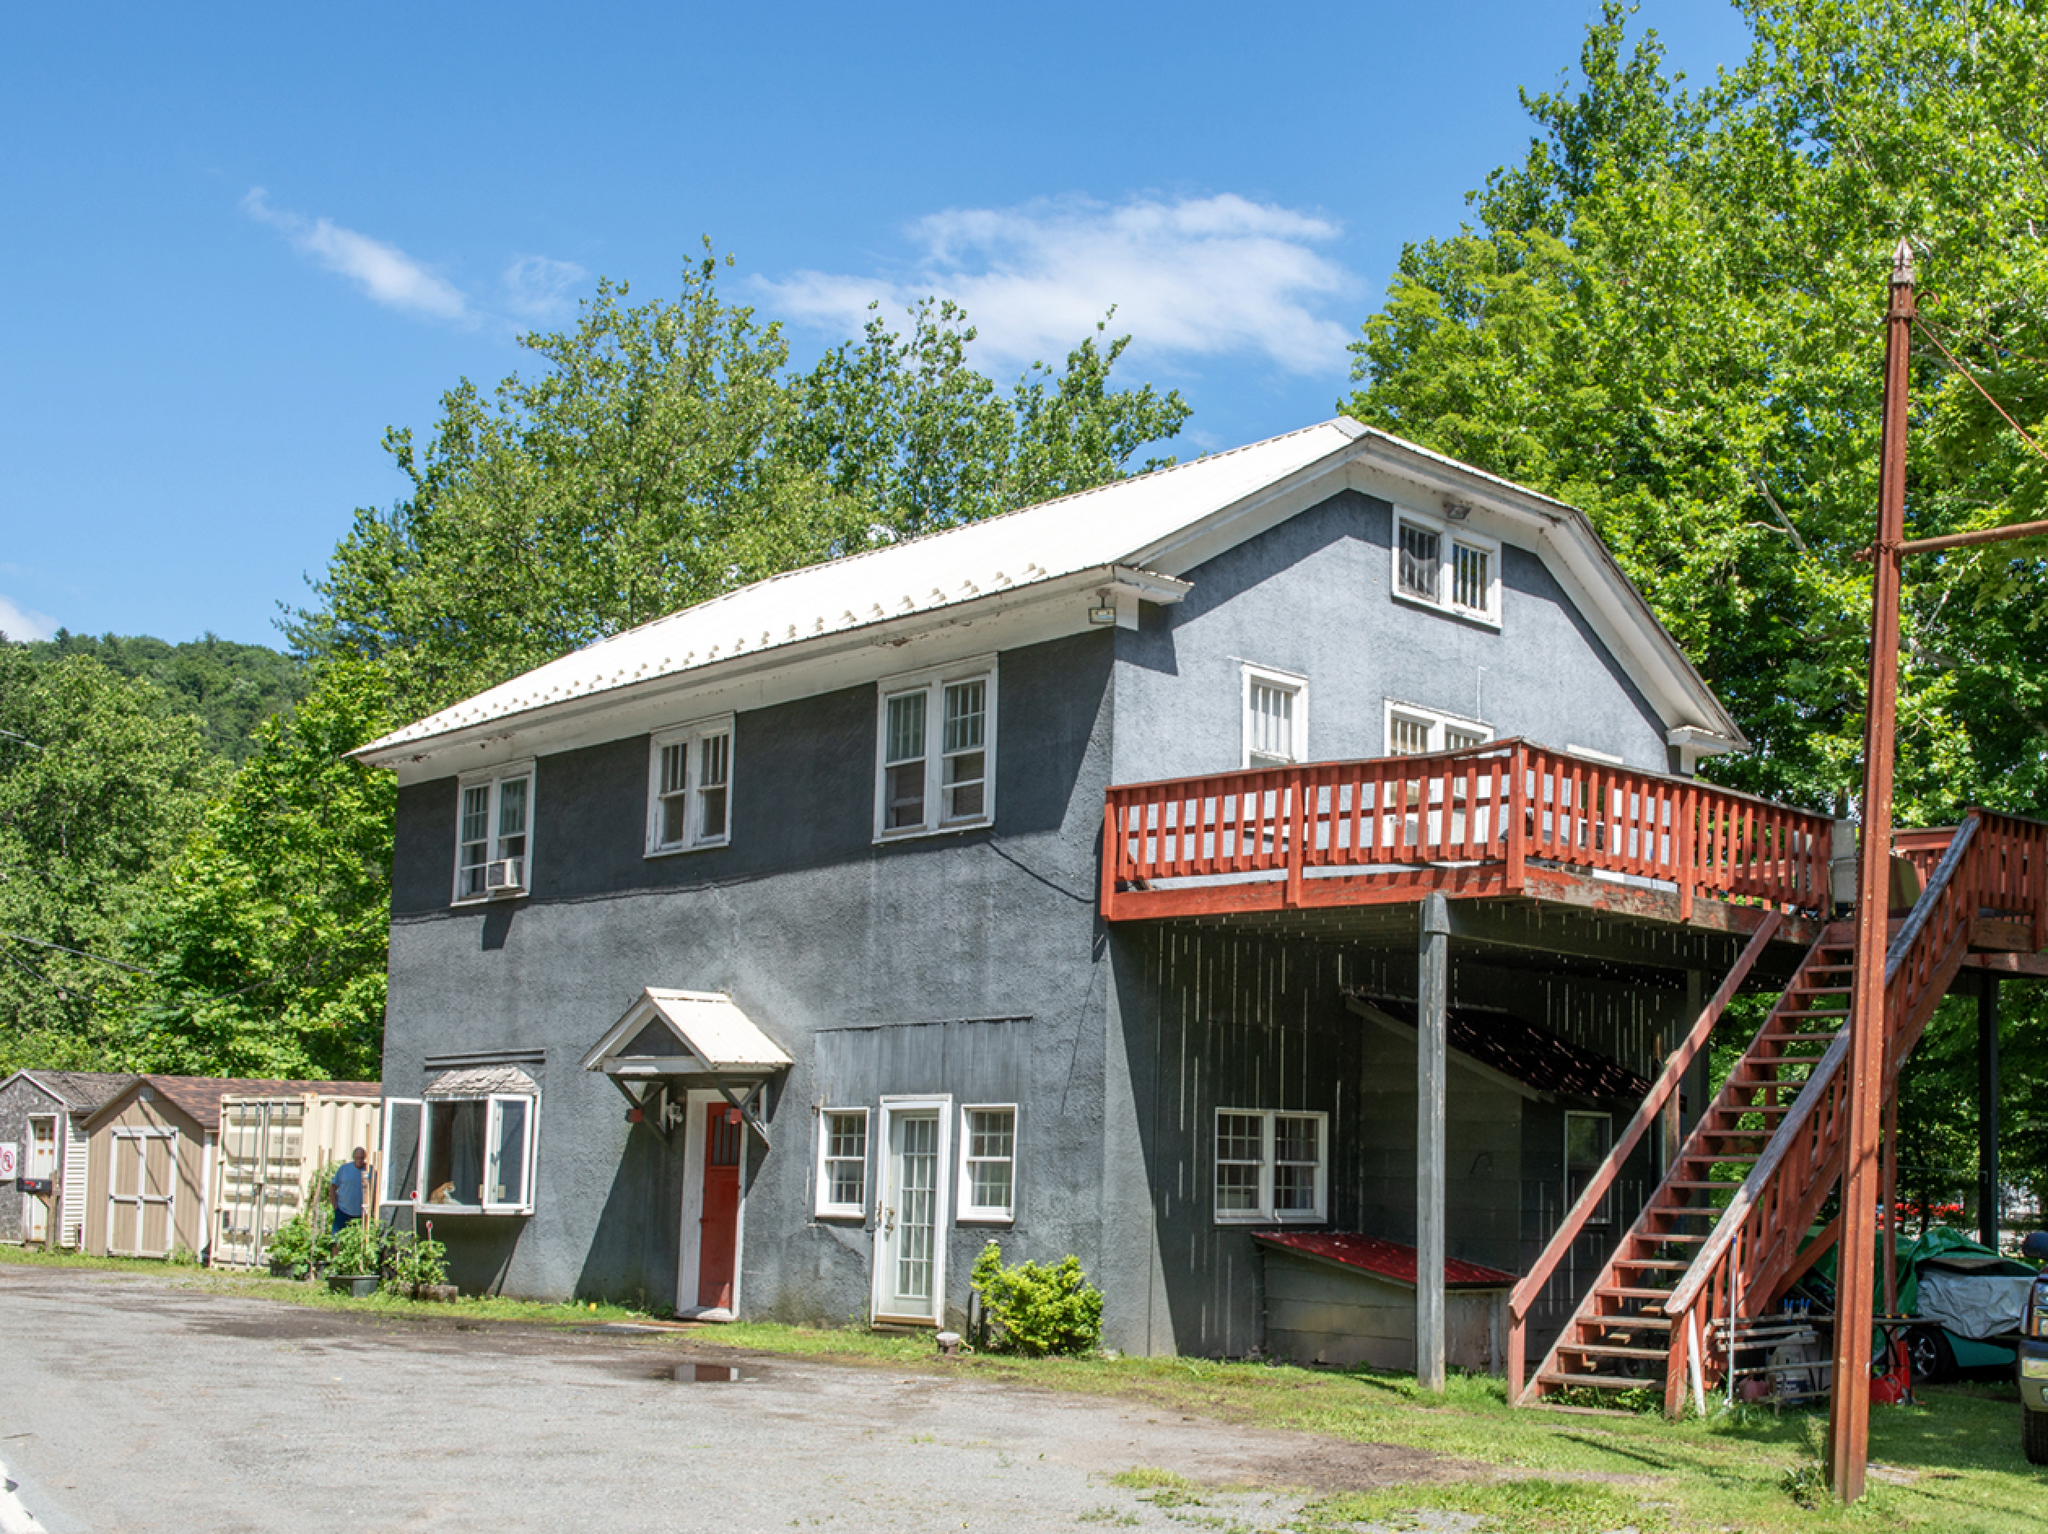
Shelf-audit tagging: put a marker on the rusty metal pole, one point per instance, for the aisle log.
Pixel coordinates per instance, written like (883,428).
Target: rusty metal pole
(1849,1412)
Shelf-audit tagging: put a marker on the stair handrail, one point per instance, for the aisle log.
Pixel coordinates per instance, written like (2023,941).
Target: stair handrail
(1715,1247)
(1525,1293)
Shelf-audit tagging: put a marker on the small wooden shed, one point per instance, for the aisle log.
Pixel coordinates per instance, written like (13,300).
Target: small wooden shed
(42,1117)
(1337,1298)
(152,1149)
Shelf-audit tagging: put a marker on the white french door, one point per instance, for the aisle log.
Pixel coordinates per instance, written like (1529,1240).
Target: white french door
(911,1215)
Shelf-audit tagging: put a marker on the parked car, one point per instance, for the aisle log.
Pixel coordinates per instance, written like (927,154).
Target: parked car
(1970,1300)
(2030,1372)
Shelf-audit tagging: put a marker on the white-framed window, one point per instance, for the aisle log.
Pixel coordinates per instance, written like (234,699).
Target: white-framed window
(1275,717)
(842,1163)
(1445,564)
(936,751)
(988,1161)
(689,787)
(476,1153)
(1271,1167)
(1588,1137)
(1416,731)
(494,832)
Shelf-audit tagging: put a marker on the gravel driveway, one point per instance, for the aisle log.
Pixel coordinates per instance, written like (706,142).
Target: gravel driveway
(128,1403)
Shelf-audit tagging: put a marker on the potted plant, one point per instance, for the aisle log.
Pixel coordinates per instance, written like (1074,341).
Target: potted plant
(356,1257)
(297,1248)
(419,1267)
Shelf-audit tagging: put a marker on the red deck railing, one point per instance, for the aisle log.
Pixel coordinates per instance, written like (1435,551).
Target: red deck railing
(1363,832)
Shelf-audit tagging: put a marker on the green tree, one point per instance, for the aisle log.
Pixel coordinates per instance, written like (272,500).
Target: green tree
(101,780)
(229,686)
(667,452)
(1669,312)
(264,943)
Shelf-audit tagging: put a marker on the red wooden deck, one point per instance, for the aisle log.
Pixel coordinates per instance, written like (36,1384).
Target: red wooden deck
(1470,822)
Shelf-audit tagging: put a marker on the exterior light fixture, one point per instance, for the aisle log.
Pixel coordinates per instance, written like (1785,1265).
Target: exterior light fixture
(1457,511)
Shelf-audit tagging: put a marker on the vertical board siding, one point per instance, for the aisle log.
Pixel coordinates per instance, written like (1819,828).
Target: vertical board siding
(1226,1020)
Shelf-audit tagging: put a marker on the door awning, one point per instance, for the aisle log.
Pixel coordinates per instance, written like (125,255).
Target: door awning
(670,1041)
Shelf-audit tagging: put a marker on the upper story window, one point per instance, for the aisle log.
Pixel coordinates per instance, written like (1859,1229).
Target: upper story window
(1275,717)
(1413,731)
(937,751)
(1446,565)
(494,832)
(689,802)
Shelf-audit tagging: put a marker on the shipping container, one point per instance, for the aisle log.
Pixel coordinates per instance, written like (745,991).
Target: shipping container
(272,1150)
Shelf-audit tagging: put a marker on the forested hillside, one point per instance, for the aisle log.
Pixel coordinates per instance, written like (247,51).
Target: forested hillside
(228,686)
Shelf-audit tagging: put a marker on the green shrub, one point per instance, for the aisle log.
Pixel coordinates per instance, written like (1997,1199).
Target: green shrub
(298,1246)
(415,1261)
(1035,1309)
(359,1247)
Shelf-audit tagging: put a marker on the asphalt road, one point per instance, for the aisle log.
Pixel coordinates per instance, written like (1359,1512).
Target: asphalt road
(129,1403)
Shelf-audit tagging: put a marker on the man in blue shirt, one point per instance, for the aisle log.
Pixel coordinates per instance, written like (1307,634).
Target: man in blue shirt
(346,1191)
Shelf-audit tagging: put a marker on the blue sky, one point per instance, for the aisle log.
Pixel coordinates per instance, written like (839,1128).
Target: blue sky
(246,239)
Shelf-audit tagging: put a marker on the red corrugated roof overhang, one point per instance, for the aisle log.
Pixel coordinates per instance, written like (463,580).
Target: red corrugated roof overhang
(1386,1259)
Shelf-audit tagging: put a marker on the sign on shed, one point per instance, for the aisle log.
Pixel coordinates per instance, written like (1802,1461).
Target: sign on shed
(10,1158)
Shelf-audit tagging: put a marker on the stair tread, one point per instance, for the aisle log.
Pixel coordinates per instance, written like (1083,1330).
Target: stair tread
(1620,1322)
(1593,1381)
(1610,1350)
(1632,1292)
(1663,1264)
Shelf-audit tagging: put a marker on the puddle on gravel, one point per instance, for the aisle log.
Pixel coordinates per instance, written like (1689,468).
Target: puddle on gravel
(694,1373)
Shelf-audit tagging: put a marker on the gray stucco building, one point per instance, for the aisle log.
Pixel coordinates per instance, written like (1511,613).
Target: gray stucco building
(765,960)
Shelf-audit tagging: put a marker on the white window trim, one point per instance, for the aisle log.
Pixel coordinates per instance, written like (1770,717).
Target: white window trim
(933,682)
(1271,677)
(496,777)
(822,1205)
(1436,720)
(969,1212)
(893,1107)
(1603,1215)
(1265,1214)
(530,1152)
(386,1194)
(1448,534)
(690,737)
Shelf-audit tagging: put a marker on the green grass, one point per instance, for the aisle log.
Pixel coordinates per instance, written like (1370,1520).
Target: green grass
(1956,1459)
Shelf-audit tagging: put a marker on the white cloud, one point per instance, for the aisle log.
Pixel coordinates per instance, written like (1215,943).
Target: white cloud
(538,288)
(19,623)
(386,273)
(1198,277)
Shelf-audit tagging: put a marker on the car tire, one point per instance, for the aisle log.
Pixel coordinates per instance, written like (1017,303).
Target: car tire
(2034,1436)
(1934,1361)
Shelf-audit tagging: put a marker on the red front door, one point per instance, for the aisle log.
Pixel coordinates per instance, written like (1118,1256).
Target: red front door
(718,1231)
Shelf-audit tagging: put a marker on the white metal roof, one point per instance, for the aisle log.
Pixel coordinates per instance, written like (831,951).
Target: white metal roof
(707,1023)
(1077,533)
(1136,534)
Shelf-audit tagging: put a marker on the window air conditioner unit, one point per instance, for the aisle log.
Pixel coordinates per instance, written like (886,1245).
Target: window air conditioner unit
(507,876)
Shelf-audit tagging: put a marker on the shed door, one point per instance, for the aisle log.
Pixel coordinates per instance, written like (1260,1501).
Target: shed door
(42,1163)
(144,1165)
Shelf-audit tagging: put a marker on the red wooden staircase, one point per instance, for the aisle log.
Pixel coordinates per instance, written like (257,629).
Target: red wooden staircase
(1725,1233)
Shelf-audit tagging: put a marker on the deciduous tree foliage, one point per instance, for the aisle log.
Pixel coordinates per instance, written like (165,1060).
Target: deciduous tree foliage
(264,943)
(1669,313)
(666,452)
(101,781)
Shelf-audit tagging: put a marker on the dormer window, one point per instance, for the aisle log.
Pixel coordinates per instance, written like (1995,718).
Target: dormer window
(1445,565)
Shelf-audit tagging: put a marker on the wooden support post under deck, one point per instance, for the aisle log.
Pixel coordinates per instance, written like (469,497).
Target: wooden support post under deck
(1987,1110)
(1432,1039)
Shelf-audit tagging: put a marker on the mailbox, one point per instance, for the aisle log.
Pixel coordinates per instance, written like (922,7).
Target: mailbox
(40,1185)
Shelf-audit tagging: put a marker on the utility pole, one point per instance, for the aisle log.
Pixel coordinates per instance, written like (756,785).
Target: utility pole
(1849,1409)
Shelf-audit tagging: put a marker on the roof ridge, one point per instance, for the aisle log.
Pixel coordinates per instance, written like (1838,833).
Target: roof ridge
(957,527)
